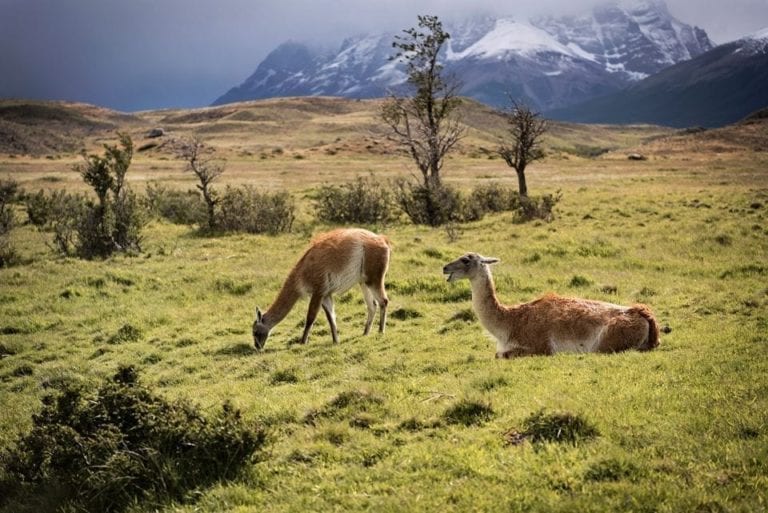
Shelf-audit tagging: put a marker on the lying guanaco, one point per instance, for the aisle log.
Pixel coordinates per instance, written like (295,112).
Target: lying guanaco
(552,324)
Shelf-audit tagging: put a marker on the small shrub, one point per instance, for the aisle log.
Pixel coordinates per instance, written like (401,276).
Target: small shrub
(8,254)
(8,192)
(178,207)
(105,450)
(542,207)
(244,209)
(468,413)
(363,201)
(114,222)
(60,213)
(494,197)
(433,205)
(453,232)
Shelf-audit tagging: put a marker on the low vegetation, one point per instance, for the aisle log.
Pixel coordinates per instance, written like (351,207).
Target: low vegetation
(365,201)
(8,192)
(421,418)
(104,450)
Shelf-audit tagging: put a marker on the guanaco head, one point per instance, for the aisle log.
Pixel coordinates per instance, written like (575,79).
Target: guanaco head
(467,266)
(260,331)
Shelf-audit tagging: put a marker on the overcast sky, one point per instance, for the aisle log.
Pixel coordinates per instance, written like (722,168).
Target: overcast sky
(145,54)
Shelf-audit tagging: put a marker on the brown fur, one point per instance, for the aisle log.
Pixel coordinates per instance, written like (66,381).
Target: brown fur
(553,323)
(653,333)
(333,262)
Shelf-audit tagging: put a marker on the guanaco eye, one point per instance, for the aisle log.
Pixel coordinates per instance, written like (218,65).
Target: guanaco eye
(465,260)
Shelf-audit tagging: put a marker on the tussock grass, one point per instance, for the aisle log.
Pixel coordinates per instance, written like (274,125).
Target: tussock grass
(556,427)
(468,412)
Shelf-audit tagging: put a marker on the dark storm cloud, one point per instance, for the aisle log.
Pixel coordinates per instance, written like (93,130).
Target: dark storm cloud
(138,54)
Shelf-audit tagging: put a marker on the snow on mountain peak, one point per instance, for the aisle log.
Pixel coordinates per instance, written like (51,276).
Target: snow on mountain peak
(554,61)
(509,36)
(755,43)
(759,35)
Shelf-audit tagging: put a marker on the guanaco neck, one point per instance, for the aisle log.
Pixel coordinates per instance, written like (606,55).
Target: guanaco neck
(484,300)
(283,303)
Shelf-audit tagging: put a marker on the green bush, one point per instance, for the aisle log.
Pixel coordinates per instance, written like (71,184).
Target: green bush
(433,205)
(494,197)
(104,450)
(244,209)
(114,222)
(542,207)
(178,207)
(8,194)
(363,201)
(438,205)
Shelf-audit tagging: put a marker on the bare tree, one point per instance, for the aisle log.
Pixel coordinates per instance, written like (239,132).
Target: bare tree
(206,170)
(426,124)
(526,128)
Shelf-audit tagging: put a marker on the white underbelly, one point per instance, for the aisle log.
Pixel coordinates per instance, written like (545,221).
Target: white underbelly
(349,276)
(572,345)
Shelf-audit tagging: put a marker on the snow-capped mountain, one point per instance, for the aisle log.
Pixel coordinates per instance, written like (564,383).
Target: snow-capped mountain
(549,61)
(639,38)
(716,88)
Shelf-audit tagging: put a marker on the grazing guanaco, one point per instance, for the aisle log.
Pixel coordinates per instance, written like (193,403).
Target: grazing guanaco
(552,324)
(333,263)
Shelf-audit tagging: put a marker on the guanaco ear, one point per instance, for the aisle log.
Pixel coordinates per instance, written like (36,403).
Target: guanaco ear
(258,314)
(489,260)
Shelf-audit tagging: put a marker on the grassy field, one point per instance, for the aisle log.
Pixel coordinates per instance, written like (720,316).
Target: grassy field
(367,424)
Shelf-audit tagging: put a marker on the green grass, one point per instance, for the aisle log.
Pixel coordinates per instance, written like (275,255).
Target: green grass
(419,419)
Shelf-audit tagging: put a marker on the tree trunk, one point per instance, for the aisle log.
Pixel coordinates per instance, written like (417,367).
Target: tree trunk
(521,182)
(211,204)
(433,180)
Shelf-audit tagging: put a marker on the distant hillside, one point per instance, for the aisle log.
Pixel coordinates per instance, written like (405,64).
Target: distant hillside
(714,89)
(324,127)
(291,126)
(40,128)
